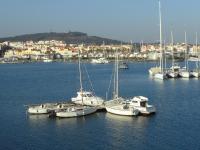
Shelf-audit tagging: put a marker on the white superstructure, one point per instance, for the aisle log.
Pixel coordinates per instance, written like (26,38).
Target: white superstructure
(87,98)
(141,104)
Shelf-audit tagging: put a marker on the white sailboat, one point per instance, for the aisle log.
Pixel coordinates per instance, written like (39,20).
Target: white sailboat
(117,105)
(76,111)
(174,69)
(196,73)
(161,74)
(184,73)
(86,97)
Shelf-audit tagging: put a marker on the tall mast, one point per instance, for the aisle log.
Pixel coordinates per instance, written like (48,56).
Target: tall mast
(117,76)
(186,63)
(114,80)
(161,50)
(197,63)
(172,46)
(80,74)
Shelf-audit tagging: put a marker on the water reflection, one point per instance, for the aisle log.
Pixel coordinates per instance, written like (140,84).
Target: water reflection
(119,127)
(137,122)
(37,118)
(75,121)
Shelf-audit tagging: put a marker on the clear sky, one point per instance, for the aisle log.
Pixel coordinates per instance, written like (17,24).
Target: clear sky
(126,20)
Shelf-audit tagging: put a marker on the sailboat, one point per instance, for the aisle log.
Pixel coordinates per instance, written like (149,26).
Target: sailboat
(184,73)
(86,97)
(118,104)
(80,110)
(174,69)
(195,73)
(161,74)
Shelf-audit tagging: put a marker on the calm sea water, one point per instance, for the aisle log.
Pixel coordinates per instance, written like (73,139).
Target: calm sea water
(176,125)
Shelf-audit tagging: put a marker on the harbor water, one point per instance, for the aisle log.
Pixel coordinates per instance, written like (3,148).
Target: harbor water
(175,126)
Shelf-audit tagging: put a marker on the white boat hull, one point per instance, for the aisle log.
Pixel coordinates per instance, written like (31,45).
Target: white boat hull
(154,70)
(173,74)
(184,74)
(76,113)
(160,76)
(37,110)
(146,110)
(195,74)
(120,111)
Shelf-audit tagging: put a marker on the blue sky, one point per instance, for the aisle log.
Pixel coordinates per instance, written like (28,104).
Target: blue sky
(125,20)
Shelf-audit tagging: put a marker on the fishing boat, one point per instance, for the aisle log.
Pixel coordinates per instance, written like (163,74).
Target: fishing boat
(117,105)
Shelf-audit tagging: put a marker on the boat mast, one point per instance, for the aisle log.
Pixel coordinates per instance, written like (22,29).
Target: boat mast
(172,46)
(197,63)
(117,76)
(161,50)
(80,75)
(164,58)
(114,80)
(186,62)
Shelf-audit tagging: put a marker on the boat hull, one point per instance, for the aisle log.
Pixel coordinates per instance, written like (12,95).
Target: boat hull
(123,112)
(146,110)
(184,74)
(76,113)
(195,74)
(38,111)
(154,70)
(160,76)
(173,74)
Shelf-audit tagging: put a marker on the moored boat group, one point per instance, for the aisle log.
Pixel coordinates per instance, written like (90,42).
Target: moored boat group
(86,103)
(137,105)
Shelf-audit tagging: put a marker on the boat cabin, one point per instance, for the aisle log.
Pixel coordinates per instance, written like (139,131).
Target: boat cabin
(84,94)
(139,101)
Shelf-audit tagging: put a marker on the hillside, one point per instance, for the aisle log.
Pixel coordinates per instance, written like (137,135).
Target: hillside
(70,37)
